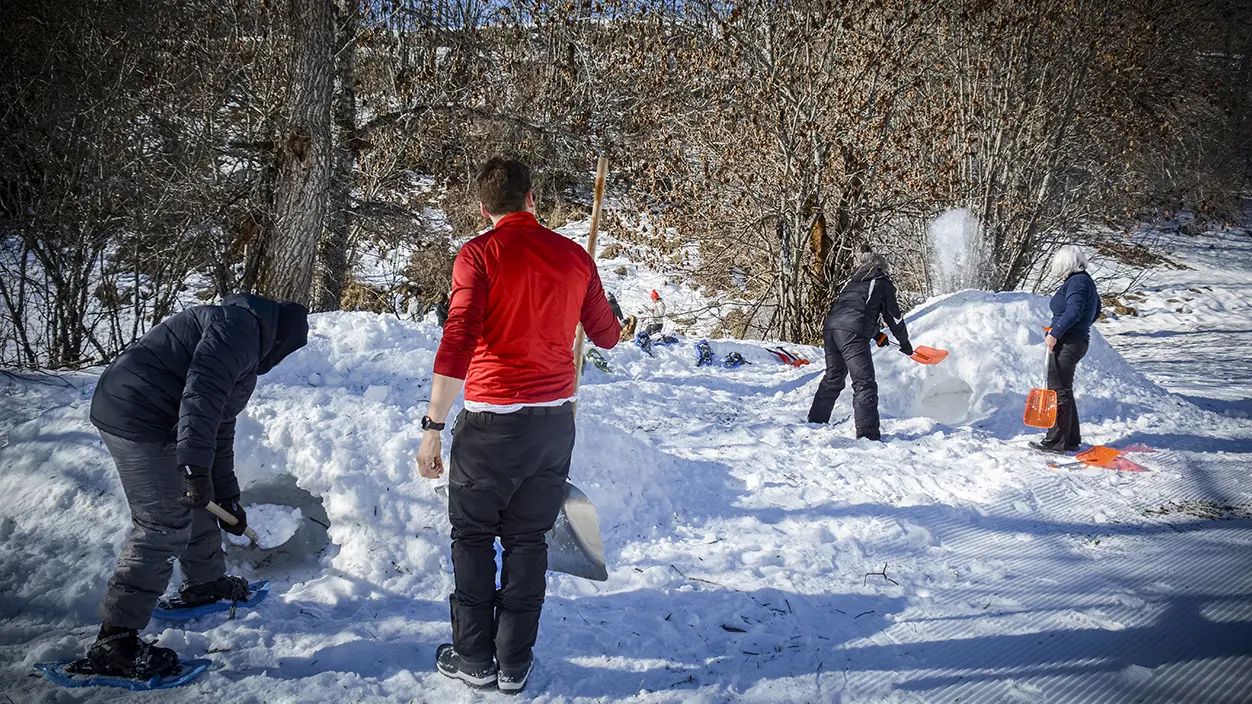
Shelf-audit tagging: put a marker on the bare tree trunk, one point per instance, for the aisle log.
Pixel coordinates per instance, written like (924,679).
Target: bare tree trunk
(301,202)
(332,251)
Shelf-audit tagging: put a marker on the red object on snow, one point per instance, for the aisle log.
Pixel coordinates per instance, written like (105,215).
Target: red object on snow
(518,293)
(655,296)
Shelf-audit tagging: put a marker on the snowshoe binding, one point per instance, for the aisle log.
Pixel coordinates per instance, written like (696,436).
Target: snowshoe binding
(120,652)
(704,354)
(227,588)
(733,360)
(665,341)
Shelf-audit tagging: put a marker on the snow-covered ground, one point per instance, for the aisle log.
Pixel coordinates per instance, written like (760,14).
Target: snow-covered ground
(752,557)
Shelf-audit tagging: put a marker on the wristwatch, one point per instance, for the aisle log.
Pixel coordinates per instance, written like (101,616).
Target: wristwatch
(428,424)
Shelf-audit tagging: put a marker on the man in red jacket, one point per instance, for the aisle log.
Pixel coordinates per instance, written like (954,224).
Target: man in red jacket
(518,294)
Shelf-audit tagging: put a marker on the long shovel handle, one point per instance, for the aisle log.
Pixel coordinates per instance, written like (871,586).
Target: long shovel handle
(224,516)
(602,172)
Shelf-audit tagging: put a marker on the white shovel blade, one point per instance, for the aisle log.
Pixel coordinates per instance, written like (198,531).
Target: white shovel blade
(574,545)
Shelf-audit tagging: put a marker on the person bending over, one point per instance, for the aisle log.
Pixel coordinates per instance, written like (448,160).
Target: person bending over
(166,411)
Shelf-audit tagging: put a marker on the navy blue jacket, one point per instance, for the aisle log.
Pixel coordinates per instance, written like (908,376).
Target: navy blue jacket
(868,295)
(1075,307)
(187,379)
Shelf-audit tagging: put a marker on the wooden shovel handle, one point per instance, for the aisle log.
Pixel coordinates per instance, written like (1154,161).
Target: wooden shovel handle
(224,516)
(602,172)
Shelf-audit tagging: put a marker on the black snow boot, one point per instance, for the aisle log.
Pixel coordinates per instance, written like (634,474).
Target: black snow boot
(475,674)
(226,588)
(1045,447)
(120,652)
(512,679)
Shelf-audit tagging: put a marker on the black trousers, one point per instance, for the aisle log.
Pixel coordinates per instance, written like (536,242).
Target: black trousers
(847,353)
(507,480)
(1066,354)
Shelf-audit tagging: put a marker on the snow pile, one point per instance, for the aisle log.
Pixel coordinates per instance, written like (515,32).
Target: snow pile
(742,543)
(996,345)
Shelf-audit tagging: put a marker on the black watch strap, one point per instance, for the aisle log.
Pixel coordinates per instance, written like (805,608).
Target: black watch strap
(428,424)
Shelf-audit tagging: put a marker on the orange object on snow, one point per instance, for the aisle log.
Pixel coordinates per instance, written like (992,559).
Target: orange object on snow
(1098,456)
(928,355)
(1041,403)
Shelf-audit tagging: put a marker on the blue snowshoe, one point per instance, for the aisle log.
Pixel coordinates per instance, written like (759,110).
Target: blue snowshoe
(733,360)
(120,658)
(68,673)
(202,600)
(644,341)
(665,341)
(704,354)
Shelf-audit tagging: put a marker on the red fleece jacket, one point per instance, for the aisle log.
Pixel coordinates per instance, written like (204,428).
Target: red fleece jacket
(518,294)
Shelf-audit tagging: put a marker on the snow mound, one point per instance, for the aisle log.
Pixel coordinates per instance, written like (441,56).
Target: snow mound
(996,350)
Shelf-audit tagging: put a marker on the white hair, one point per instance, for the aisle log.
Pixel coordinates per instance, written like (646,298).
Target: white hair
(1069,259)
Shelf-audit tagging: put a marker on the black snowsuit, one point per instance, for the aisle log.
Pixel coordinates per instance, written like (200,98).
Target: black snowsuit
(171,400)
(846,334)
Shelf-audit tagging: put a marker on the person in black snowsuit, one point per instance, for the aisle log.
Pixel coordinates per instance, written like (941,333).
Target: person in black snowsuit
(441,309)
(166,410)
(1075,307)
(846,335)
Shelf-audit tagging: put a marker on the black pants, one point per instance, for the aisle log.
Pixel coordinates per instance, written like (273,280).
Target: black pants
(1065,357)
(848,352)
(507,480)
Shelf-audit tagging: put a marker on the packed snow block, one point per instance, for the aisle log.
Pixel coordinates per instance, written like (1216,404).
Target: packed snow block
(995,342)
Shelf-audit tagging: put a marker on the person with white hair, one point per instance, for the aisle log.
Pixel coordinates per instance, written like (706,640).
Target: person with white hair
(1075,307)
(853,321)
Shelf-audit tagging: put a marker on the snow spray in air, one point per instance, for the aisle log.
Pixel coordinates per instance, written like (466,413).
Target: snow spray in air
(957,252)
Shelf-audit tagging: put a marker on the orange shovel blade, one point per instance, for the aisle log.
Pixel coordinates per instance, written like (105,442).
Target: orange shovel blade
(1098,456)
(928,355)
(1040,408)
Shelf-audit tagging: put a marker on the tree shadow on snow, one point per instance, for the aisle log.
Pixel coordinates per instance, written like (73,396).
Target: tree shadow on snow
(1183,633)
(1186,443)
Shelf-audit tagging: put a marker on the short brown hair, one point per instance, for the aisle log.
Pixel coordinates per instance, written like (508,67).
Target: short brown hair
(502,185)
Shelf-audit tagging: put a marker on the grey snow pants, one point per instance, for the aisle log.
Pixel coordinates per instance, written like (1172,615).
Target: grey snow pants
(161,531)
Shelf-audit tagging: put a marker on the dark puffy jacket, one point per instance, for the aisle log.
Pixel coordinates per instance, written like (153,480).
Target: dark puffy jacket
(868,295)
(189,377)
(1075,307)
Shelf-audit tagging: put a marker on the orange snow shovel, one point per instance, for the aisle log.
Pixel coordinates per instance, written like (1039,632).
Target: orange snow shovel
(921,353)
(928,355)
(1103,457)
(1041,403)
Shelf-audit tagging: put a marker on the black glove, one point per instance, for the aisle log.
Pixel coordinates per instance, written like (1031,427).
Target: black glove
(197,486)
(233,508)
(906,348)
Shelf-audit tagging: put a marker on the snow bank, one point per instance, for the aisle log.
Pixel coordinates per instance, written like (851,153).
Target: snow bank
(997,356)
(702,477)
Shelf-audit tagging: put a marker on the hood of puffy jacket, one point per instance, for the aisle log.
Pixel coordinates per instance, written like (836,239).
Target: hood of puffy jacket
(284,326)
